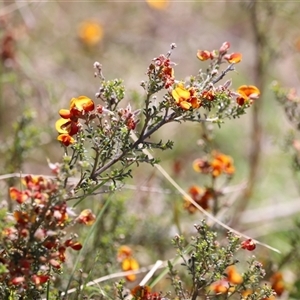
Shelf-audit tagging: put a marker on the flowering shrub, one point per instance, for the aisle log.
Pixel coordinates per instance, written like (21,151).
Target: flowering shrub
(102,140)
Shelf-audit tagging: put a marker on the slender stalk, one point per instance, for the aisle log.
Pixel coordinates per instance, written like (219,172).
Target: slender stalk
(263,59)
(84,246)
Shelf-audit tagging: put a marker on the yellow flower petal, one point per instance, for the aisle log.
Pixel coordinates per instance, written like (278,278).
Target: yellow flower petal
(61,124)
(81,104)
(180,93)
(248,90)
(185,105)
(129,263)
(65,113)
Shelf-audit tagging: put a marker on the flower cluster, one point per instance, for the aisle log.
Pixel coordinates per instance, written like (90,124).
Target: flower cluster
(161,69)
(185,98)
(245,94)
(206,197)
(128,263)
(232,58)
(219,164)
(34,246)
(69,124)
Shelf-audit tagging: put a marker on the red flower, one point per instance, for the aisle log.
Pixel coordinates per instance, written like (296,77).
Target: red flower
(72,244)
(40,279)
(18,280)
(201,196)
(208,95)
(86,217)
(248,245)
(141,292)
(17,195)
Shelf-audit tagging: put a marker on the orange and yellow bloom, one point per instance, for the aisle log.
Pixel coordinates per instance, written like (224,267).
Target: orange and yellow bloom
(128,263)
(204,55)
(247,93)
(277,283)
(233,58)
(69,125)
(220,163)
(185,98)
(86,217)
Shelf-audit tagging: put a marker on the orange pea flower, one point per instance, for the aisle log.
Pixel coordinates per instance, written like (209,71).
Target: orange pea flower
(220,286)
(233,58)
(78,108)
(141,292)
(185,98)
(130,264)
(247,93)
(222,163)
(19,196)
(90,32)
(201,165)
(201,196)
(204,55)
(233,275)
(68,125)
(86,217)
(277,283)
(66,139)
(208,95)
(124,252)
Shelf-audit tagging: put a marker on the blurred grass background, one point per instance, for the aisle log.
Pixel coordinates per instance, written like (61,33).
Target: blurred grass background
(52,58)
